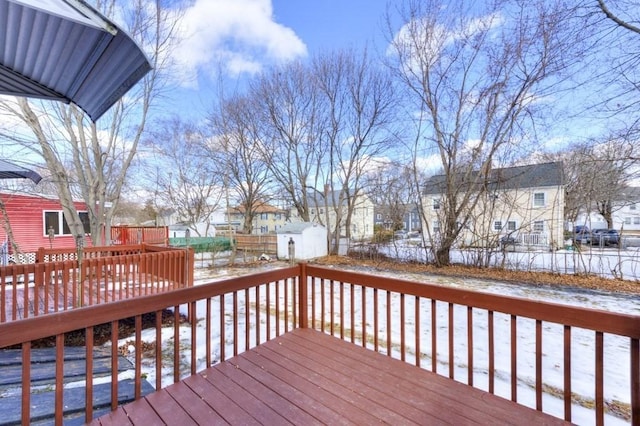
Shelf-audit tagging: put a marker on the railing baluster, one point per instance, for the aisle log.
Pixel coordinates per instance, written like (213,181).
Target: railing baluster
(417,329)
(363,298)
(538,365)
(194,343)
(235,323)
(434,341)
(268,313)
(389,338)
(222,329)
(322,309)
(138,358)
(567,372)
(376,322)
(286,305)
(208,337)
(247,320)
(159,349)
(258,315)
(599,349)
(331,306)
(313,302)
(342,311)
(176,344)
(491,354)
(470,345)
(635,380)
(277,308)
(451,342)
(403,345)
(514,359)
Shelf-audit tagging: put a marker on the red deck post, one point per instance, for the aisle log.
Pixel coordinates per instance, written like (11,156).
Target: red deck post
(303,313)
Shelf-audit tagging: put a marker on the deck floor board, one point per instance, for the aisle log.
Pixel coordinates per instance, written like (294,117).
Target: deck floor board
(308,377)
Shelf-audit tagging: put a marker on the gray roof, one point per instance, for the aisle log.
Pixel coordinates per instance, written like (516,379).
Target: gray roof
(295,227)
(66,51)
(529,176)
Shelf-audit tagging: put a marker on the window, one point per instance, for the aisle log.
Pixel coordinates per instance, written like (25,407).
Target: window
(632,207)
(313,211)
(436,204)
(57,221)
(278,216)
(511,225)
(538,199)
(264,229)
(627,221)
(378,216)
(538,226)
(436,226)
(497,225)
(264,216)
(636,220)
(321,211)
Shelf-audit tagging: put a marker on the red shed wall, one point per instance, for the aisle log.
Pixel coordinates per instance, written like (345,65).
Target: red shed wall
(26,216)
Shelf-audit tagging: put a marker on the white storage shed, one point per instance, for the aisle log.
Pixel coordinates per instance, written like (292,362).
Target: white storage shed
(309,240)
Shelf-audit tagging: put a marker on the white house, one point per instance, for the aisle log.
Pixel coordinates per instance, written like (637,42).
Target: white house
(309,240)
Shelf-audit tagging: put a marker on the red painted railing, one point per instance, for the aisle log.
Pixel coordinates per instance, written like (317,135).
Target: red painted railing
(106,274)
(464,335)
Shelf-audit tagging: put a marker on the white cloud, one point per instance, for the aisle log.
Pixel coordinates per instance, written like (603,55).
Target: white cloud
(237,36)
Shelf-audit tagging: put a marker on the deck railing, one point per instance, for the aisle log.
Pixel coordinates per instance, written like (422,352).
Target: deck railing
(105,274)
(531,352)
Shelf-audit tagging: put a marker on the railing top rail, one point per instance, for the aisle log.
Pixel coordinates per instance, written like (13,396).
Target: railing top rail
(591,319)
(62,322)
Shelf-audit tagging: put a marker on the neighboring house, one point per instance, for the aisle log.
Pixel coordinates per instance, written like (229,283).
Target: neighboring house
(323,211)
(267,219)
(522,203)
(406,215)
(31,216)
(625,213)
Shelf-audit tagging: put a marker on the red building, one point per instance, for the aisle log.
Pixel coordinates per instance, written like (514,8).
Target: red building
(31,216)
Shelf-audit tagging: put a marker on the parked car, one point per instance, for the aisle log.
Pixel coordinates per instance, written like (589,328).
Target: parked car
(605,237)
(581,235)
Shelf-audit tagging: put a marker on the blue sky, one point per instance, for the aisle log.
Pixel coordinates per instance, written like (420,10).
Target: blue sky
(242,37)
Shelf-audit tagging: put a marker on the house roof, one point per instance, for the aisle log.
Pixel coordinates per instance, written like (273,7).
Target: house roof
(66,51)
(258,208)
(528,176)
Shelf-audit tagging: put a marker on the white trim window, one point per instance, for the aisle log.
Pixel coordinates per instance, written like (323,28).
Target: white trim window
(636,220)
(436,226)
(497,225)
(436,204)
(539,199)
(538,226)
(55,220)
(511,225)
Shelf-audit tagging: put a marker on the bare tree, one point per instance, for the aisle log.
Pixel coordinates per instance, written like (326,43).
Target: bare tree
(359,102)
(476,77)
(238,150)
(291,129)
(183,176)
(88,159)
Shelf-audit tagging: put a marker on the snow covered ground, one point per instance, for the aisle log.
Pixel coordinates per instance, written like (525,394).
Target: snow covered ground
(617,379)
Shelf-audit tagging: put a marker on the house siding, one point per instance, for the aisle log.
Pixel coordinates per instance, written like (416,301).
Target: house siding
(26,217)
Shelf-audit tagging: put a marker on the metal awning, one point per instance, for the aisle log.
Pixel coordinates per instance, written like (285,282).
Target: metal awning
(65,50)
(13,171)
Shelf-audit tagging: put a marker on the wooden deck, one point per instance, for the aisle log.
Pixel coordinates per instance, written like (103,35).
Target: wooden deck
(308,377)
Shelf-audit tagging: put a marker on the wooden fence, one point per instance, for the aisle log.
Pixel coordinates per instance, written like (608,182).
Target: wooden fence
(267,244)
(124,235)
(58,282)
